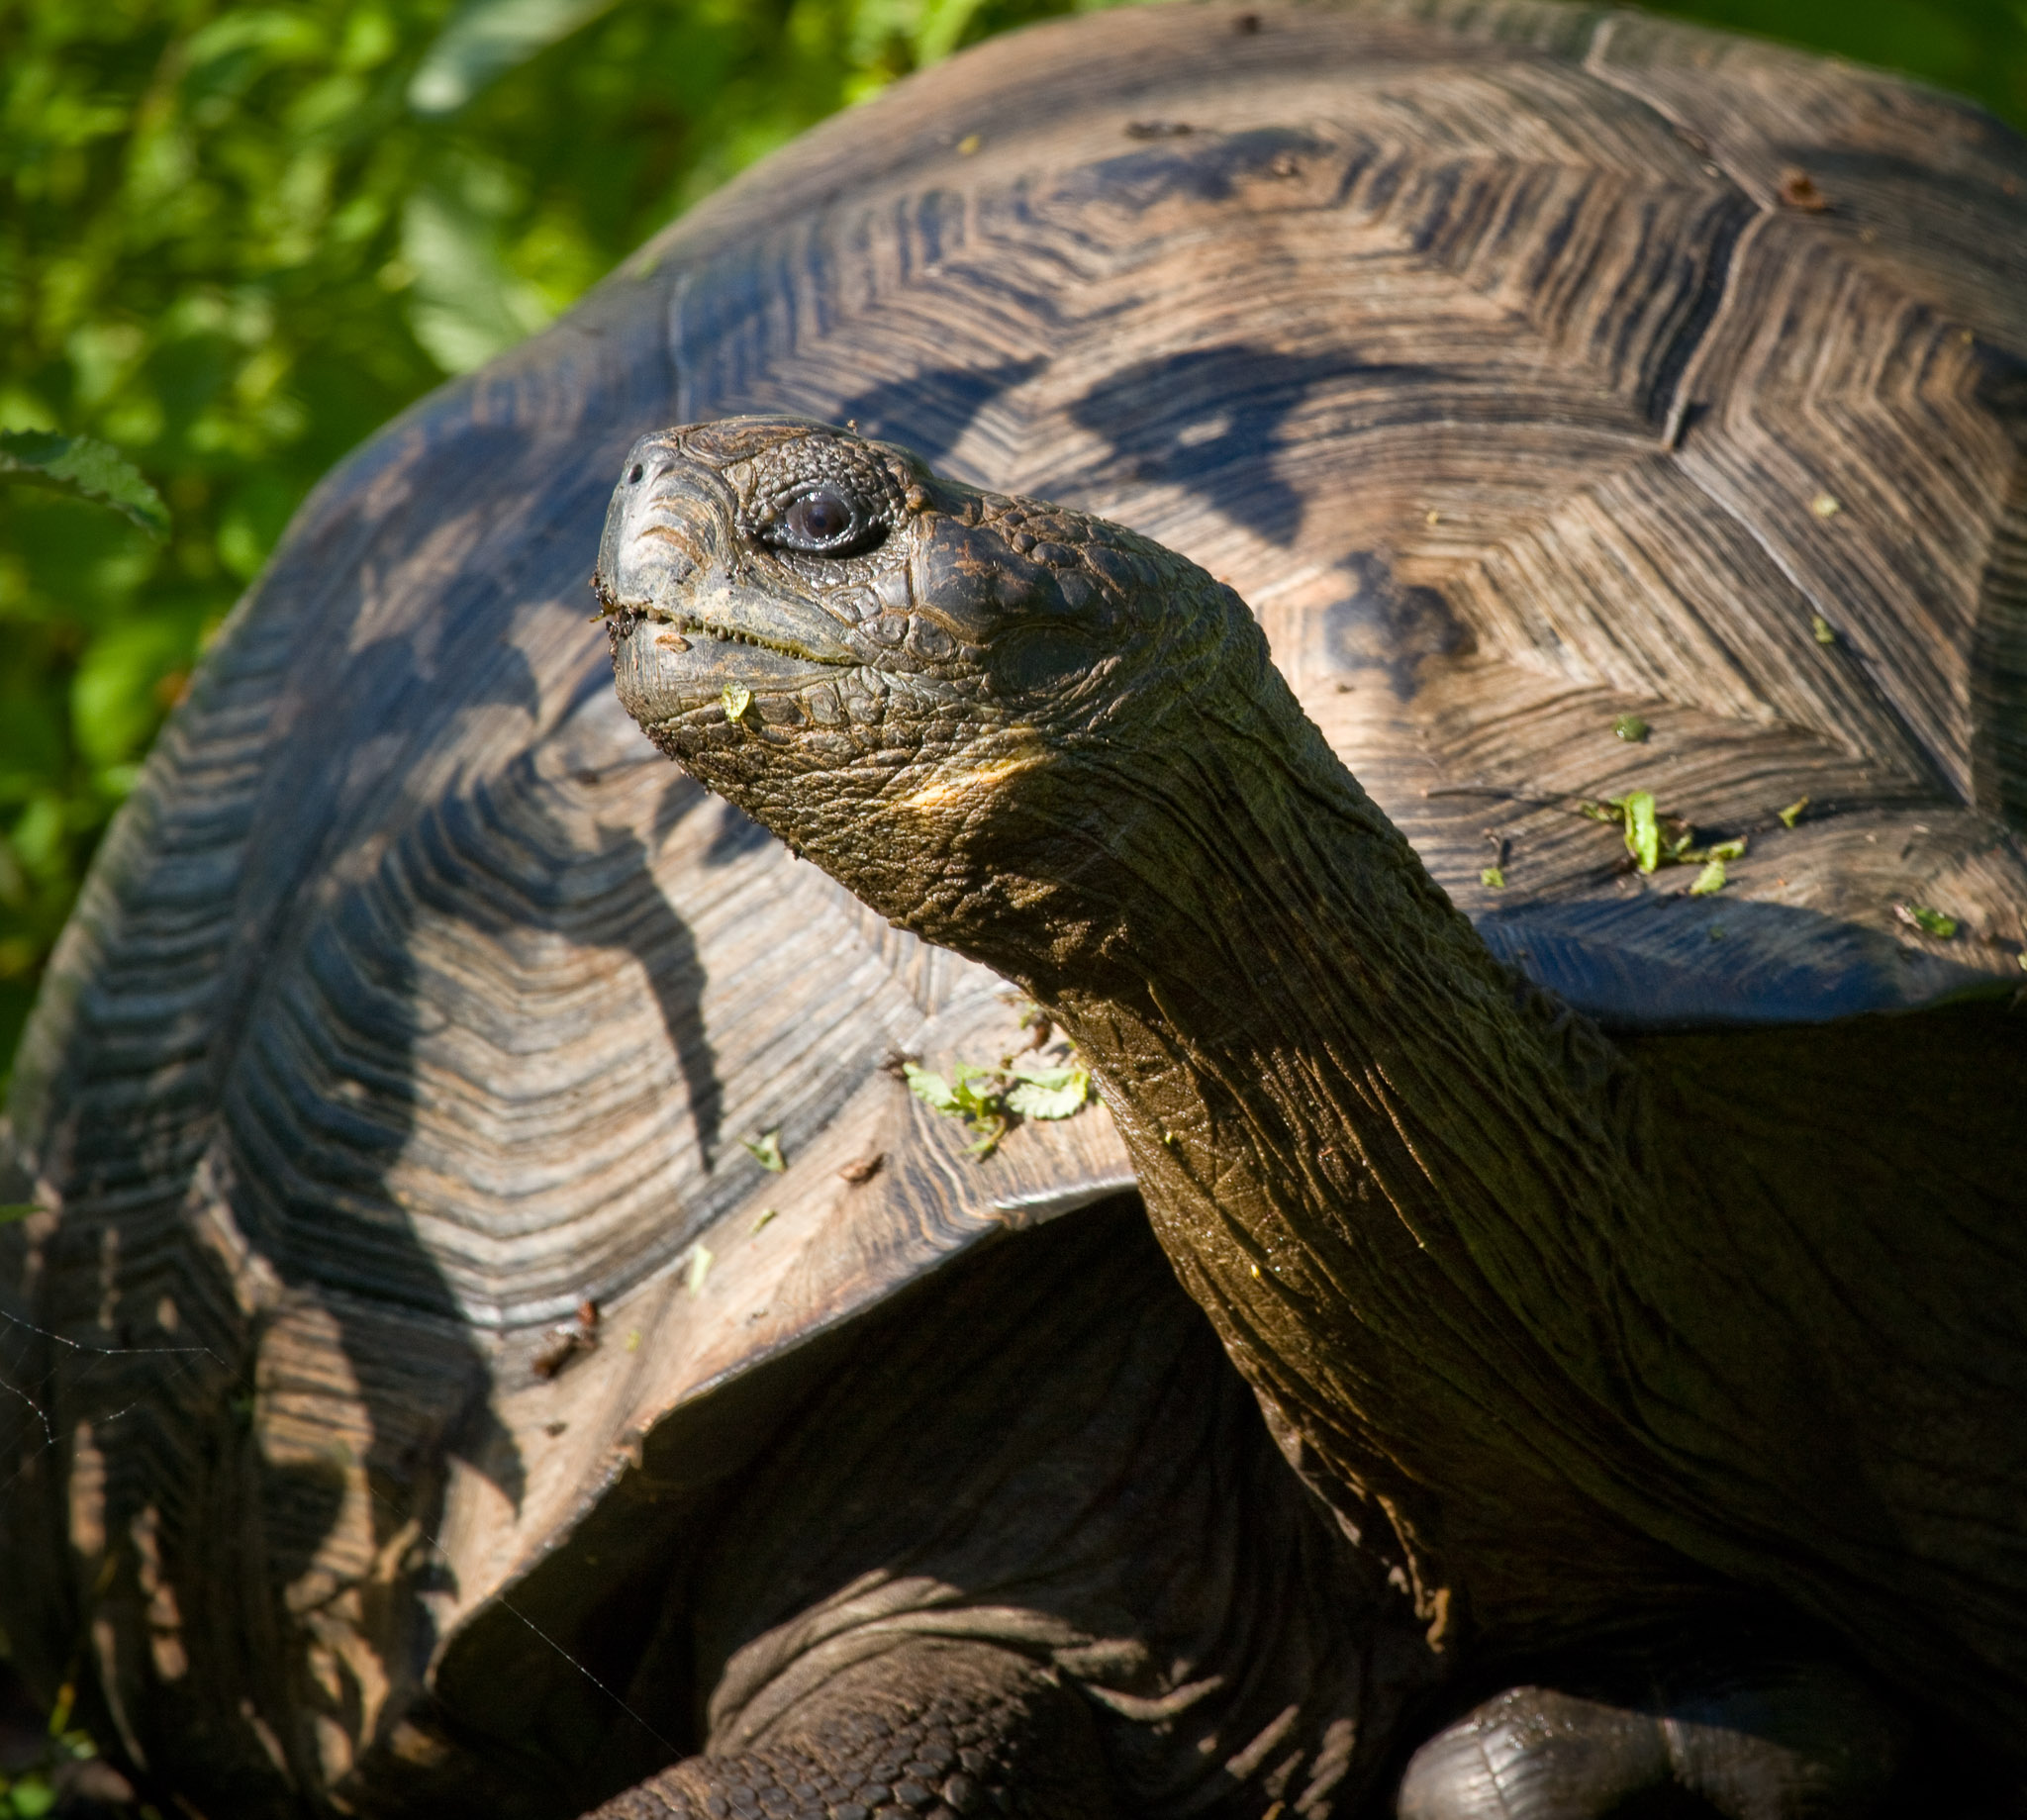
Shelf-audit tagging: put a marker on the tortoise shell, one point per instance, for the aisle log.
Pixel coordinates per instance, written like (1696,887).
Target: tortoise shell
(1592,407)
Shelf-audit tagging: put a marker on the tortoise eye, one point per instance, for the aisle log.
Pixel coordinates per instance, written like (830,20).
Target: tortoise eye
(821,517)
(825,520)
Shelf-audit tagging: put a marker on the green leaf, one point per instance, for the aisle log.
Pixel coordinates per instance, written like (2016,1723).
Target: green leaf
(1709,880)
(487,38)
(766,1213)
(20,1209)
(1048,1092)
(86,468)
(699,1268)
(1729,849)
(1793,813)
(738,697)
(990,1130)
(1631,729)
(1928,921)
(973,1094)
(931,1088)
(974,1101)
(766,1151)
(1493,878)
(1643,831)
(1821,630)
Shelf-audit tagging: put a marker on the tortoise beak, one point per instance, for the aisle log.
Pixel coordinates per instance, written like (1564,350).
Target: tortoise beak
(670,550)
(671,554)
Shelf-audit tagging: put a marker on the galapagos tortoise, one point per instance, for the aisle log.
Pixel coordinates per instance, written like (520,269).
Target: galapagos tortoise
(409,1008)
(1725,1305)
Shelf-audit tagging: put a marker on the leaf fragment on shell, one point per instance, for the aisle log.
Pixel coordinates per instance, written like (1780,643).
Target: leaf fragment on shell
(1631,729)
(1655,840)
(1928,920)
(990,1100)
(737,698)
(1048,1092)
(766,1151)
(1643,830)
(931,1088)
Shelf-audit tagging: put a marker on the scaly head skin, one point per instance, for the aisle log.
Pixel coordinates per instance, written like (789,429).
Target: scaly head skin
(910,681)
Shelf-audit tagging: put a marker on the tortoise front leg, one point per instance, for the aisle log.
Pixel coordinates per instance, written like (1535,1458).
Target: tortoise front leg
(933,1729)
(1811,1743)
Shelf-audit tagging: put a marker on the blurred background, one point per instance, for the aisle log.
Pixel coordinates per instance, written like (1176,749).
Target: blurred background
(234,238)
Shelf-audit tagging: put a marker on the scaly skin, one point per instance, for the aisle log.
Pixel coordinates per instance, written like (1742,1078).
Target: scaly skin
(929,1731)
(1420,1201)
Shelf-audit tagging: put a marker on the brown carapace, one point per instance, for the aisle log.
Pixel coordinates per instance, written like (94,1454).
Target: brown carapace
(415,1001)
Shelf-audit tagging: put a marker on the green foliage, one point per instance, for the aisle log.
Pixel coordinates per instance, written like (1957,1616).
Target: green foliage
(28,1797)
(235,238)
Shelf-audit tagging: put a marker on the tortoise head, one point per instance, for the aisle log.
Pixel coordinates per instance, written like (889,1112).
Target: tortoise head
(908,679)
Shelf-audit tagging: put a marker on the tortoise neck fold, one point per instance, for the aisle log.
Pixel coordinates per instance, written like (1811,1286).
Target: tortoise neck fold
(1390,1173)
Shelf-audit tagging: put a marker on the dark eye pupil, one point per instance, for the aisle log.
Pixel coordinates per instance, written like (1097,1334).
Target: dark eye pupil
(818,517)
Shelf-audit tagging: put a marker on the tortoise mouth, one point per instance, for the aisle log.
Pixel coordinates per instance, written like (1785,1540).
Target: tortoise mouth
(694,626)
(669,663)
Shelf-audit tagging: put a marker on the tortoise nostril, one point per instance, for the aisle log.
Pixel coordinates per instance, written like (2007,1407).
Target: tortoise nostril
(633,479)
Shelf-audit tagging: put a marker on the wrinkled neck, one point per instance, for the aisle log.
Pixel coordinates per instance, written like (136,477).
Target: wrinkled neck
(1389,1172)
